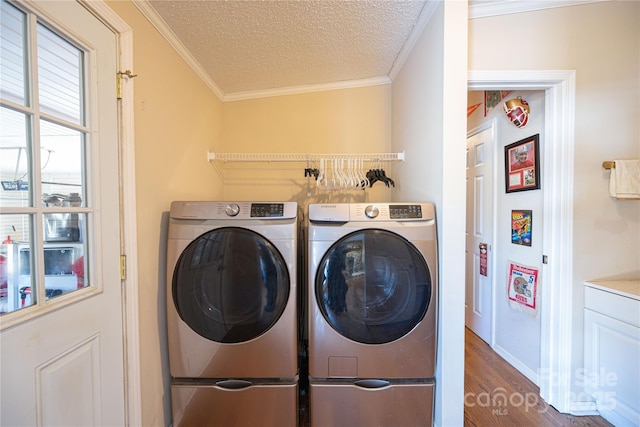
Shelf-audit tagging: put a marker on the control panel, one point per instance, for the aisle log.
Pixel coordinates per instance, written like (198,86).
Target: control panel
(204,210)
(344,212)
(405,211)
(267,210)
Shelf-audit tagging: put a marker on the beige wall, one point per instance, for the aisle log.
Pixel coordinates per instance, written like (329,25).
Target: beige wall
(177,119)
(342,121)
(601,41)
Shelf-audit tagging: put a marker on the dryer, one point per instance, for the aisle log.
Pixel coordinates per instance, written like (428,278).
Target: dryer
(372,313)
(231,313)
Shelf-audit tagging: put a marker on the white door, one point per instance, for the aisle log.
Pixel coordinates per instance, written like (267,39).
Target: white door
(61,329)
(479,234)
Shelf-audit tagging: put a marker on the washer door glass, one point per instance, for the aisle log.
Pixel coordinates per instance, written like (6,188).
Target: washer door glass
(373,286)
(230,285)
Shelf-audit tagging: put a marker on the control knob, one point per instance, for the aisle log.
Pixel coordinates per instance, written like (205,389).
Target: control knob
(371,211)
(232,209)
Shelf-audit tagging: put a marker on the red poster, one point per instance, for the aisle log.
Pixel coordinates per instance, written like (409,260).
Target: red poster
(483,259)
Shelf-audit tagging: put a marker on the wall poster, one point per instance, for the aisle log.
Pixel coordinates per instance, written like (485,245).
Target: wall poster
(521,227)
(522,288)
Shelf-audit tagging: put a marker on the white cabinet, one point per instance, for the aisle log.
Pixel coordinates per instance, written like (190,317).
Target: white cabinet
(612,350)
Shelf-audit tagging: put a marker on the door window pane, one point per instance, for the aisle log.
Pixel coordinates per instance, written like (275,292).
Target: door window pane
(16,281)
(12,54)
(59,76)
(15,161)
(62,170)
(63,268)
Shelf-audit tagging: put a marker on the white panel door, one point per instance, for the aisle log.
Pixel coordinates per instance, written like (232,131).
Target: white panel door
(62,357)
(479,234)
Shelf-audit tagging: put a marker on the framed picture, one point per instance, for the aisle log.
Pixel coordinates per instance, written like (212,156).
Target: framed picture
(522,164)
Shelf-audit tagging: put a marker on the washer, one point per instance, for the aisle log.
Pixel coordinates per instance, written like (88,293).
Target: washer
(231,313)
(372,313)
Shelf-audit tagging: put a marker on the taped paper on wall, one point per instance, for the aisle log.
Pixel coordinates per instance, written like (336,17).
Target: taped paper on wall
(522,288)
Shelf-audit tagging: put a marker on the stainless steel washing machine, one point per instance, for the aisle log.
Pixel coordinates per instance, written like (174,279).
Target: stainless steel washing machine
(372,314)
(231,313)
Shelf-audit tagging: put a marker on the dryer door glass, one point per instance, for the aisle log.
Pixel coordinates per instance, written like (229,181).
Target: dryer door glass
(373,286)
(230,285)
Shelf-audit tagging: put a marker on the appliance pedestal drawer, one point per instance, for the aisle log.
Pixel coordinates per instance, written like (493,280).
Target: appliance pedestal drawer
(345,404)
(198,405)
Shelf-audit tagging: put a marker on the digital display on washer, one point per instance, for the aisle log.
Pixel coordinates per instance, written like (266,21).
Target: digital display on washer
(405,211)
(264,210)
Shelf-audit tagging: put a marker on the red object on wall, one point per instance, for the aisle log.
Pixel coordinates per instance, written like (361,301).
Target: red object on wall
(517,109)
(78,270)
(483,259)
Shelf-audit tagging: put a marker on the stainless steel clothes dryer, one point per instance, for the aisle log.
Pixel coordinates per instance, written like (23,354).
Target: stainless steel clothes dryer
(231,313)
(372,314)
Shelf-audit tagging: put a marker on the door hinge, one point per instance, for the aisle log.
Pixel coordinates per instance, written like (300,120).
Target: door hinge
(119,75)
(123,267)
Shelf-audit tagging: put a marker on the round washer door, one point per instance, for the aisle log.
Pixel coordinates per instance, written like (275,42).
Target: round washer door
(230,285)
(373,286)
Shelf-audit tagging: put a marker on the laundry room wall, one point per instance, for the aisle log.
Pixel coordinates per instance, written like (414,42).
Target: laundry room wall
(354,120)
(516,334)
(429,104)
(177,119)
(601,41)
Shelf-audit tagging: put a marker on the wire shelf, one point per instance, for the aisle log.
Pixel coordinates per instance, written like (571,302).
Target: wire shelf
(301,157)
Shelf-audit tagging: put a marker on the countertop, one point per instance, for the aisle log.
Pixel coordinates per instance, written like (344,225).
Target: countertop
(626,288)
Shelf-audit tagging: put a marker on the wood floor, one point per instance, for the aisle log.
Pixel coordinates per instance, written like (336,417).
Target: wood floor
(487,377)
(496,394)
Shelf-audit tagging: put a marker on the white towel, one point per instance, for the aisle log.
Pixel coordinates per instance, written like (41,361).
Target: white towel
(624,182)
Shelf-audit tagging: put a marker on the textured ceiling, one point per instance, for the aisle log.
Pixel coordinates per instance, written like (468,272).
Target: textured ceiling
(252,48)
(248,46)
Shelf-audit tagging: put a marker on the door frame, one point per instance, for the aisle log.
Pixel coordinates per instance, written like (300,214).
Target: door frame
(557,177)
(129,248)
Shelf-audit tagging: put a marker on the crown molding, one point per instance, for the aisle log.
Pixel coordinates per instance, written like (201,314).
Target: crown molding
(293,90)
(485,9)
(152,16)
(424,18)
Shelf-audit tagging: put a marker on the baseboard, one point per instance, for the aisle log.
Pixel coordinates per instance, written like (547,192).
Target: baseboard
(621,416)
(517,364)
(583,408)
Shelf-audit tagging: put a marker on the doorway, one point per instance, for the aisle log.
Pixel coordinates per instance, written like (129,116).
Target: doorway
(555,316)
(507,223)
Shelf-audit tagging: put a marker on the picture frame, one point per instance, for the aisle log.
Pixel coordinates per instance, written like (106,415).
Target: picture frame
(522,165)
